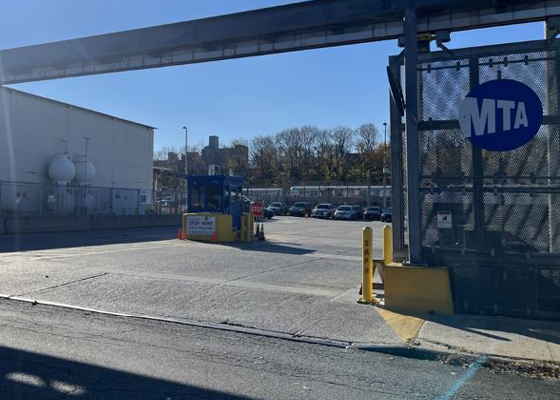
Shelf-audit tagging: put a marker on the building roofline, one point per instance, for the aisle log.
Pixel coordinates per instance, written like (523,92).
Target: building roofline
(9,89)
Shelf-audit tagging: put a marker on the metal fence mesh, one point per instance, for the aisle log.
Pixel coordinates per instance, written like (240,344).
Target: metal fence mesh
(23,198)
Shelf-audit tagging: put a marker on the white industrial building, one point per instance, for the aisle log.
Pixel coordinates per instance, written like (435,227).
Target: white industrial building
(44,167)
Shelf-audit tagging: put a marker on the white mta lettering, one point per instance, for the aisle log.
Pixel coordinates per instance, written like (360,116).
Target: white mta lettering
(473,118)
(483,120)
(521,117)
(506,106)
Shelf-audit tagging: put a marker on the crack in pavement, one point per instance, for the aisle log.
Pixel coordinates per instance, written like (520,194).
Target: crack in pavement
(61,285)
(272,270)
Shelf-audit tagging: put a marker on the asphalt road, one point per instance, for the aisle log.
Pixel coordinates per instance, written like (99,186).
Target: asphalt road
(55,353)
(303,281)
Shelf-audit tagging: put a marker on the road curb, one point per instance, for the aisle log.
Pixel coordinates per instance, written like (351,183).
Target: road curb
(543,369)
(208,325)
(529,367)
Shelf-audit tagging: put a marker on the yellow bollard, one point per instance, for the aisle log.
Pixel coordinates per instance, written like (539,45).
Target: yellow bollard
(367,266)
(387,244)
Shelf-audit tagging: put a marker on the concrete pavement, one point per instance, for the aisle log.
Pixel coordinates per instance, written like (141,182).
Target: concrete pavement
(303,282)
(304,286)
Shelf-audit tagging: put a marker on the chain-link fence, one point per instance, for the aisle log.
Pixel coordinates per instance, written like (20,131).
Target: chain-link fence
(322,193)
(38,199)
(505,234)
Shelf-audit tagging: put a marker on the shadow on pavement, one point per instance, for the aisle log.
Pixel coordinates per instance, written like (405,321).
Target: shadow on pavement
(26,375)
(47,241)
(480,324)
(269,247)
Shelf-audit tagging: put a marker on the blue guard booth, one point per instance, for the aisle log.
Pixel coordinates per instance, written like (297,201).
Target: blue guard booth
(216,210)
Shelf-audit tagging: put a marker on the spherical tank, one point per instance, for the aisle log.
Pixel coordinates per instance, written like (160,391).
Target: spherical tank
(85,170)
(61,169)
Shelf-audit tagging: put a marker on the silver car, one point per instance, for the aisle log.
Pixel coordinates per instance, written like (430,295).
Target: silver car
(323,210)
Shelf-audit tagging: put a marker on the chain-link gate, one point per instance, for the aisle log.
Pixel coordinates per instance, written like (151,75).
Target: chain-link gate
(503,248)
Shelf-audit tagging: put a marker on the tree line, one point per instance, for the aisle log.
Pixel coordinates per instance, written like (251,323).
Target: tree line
(303,155)
(309,154)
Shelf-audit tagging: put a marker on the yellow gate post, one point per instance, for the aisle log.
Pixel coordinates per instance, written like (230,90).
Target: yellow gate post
(387,244)
(367,266)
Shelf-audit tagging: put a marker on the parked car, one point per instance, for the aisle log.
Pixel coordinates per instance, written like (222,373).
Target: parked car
(268,213)
(348,213)
(166,201)
(372,214)
(172,202)
(300,209)
(387,216)
(323,210)
(358,211)
(279,208)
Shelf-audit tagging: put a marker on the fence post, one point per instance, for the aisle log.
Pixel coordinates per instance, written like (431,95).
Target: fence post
(111,202)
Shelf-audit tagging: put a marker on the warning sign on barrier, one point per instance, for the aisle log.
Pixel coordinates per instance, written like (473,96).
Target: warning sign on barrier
(201,225)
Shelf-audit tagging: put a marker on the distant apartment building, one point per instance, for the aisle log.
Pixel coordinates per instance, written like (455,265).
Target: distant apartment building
(232,160)
(229,160)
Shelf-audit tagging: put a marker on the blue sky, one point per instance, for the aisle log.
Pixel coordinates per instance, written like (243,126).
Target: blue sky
(233,99)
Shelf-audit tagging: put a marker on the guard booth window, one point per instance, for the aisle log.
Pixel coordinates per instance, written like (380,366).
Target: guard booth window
(214,198)
(198,196)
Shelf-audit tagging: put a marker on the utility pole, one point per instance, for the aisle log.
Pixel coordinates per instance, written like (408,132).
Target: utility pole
(186,167)
(385,168)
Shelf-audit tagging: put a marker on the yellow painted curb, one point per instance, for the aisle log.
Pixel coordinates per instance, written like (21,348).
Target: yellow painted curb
(405,326)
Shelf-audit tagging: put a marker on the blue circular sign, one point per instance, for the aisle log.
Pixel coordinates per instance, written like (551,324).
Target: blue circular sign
(501,115)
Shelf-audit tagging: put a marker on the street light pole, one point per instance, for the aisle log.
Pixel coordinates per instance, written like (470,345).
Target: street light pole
(385,168)
(186,167)
(368,174)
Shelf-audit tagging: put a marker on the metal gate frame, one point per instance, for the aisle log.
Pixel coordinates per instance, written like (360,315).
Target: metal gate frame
(514,283)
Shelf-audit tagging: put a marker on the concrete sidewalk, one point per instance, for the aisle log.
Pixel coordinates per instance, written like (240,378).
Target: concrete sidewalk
(509,338)
(495,336)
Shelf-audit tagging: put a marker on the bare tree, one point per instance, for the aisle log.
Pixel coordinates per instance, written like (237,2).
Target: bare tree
(325,155)
(343,139)
(366,145)
(264,160)
(290,152)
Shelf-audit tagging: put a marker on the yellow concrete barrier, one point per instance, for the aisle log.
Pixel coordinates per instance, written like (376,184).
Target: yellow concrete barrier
(418,290)
(246,232)
(367,266)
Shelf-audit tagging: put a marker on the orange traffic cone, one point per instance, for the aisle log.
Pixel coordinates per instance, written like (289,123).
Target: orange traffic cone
(180,234)
(214,237)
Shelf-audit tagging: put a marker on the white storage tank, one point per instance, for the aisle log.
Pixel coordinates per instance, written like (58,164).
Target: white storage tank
(61,169)
(85,170)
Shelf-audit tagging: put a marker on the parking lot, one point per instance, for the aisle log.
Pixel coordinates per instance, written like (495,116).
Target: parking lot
(303,280)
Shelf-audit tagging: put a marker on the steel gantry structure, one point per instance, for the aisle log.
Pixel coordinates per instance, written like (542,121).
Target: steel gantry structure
(300,26)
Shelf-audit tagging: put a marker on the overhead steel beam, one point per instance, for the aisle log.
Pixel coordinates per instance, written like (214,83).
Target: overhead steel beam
(300,26)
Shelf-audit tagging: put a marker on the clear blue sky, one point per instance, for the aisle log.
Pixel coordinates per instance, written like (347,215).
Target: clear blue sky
(233,99)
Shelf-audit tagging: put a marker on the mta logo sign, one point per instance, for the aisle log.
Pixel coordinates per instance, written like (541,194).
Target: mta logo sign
(501,115)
